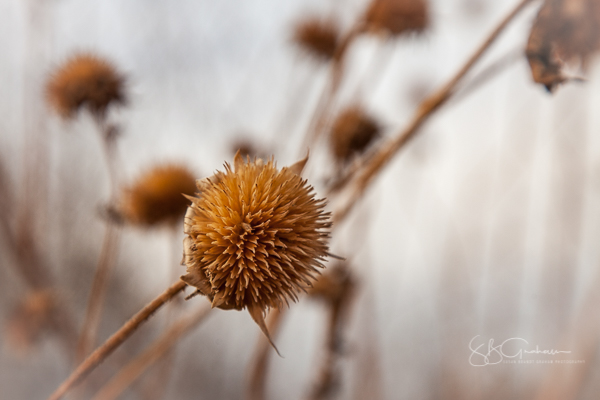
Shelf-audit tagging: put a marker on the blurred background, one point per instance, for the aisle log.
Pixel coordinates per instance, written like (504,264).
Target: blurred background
(487,223)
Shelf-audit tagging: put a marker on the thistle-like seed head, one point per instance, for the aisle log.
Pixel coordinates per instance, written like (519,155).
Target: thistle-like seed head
(158,196)
(85,80)
(319,38)
(255,236)
(352,132)
(396,17)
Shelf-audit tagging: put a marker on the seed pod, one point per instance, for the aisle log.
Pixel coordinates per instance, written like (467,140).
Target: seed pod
(158,196)
(319,38)
(87,81)
(352,132)
(255,237)
(395,17)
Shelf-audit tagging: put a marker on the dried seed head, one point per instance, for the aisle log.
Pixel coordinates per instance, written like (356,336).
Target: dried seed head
(335,285)
(158,196)
(85,80)
(29,320)
(319,38)
(396,17)
(564,31)
(255,236)
(352,132)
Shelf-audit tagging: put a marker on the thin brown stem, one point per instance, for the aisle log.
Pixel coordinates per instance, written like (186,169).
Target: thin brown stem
(102,352)
(97,295)
(163,345)
(259,366)
(429,106)
(108,254)
(336,72)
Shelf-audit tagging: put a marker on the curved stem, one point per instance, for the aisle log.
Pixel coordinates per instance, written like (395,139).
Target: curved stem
(152,354)
(431,104)
(102,352)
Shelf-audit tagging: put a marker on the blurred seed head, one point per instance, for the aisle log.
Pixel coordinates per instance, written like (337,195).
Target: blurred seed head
(317,37)
(85,80)
(255,236)
(564,31)
(29,320)
(352,132)
(334,285)
(395,17)
(157,197)
(247,148)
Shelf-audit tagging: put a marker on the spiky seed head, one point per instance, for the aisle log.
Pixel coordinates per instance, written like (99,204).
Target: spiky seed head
(85,80)
(158,195)
(318,37)
(396,17)
(352,132)
(256,236)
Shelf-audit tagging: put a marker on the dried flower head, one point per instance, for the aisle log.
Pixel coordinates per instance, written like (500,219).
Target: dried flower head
(29,320)
(85,80)
(317,37)
(396,17)
(564,31)
(352,132)
(158,196)
(255,236)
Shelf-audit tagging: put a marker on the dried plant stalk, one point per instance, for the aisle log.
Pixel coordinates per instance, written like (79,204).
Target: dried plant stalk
(374,165)
(102,352)
(259,366)
(152,354)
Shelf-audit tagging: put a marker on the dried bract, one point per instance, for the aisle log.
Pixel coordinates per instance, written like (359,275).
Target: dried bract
(158,196)
(255,236)
(352,132)
(564,31)
(88,81)
(319,38)
(395,17)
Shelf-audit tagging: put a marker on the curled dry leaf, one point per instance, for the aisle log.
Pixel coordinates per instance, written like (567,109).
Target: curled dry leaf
(255,237)
(564,31)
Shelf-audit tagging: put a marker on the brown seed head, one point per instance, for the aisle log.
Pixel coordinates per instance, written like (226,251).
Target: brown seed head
(85,80)
(396,17)
(352,132)
(256,236)
(158,196)
(317,37)
(564,31)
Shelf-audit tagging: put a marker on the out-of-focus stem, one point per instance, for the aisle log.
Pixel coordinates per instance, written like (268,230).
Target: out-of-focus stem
(108,254)
(132,371)
(102,352)
(370,169)
(259,365)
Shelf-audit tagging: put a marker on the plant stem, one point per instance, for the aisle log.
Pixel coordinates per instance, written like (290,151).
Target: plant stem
(372,167)
(102,352)
(152,354)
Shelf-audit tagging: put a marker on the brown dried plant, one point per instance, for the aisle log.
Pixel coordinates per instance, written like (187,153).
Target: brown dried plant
(85,80)
(352,132)
(395,17)
(31,318)
(255,236)
(157,197)
(318,37)
(564,31)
